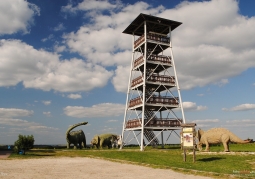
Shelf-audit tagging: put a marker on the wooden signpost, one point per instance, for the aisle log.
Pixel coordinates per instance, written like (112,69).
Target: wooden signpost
(188,141)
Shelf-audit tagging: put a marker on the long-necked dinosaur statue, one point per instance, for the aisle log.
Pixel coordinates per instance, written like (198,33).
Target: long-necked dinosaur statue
(76,137)
(217,135)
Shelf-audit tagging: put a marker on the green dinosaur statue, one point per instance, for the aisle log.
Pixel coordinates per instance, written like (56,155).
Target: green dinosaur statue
(76,137)
(103,140)
(217,135)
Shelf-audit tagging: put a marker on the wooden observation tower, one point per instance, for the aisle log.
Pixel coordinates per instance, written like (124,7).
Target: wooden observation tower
(153,91)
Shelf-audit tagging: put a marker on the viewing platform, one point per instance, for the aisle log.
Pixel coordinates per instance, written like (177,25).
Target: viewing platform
(170,80)
(155,100)
(154,59)
(153,37)
(134,123)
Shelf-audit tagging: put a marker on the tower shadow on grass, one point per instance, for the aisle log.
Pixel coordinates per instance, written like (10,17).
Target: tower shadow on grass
(210,159)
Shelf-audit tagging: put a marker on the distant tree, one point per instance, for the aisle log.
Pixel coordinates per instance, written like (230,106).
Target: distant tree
(24,143)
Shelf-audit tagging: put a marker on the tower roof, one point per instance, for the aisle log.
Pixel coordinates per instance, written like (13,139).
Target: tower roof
(153,23)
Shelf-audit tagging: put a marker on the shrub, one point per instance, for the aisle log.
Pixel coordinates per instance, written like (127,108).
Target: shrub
(24,143)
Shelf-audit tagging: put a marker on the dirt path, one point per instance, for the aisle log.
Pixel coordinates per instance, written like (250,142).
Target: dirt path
(81,167)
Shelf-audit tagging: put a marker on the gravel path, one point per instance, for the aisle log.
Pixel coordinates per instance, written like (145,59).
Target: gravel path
(81,167)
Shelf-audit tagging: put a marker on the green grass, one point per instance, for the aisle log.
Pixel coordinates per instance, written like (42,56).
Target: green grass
(219,165)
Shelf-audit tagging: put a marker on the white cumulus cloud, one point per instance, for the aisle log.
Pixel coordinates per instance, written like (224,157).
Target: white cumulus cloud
(59,27)
(74,96)
(190,106)
(14,112)
(24,125)
(206,121)
(99,110)
(48,114)
(44,70)
(240,123)
(16,15)
(205,48)
(242,107)
(46,103)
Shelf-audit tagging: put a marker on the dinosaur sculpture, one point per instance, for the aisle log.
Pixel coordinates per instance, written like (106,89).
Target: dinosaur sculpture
(103,140)
(217,135)
(116,141)
(119,141)
(76,137)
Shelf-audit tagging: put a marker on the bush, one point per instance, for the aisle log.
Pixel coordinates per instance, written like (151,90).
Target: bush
(24,143)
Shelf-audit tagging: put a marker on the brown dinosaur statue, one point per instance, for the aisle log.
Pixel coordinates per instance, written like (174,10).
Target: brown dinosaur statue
(217,135)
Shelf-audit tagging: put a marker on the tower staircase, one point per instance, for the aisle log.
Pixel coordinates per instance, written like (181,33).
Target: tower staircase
(150,136)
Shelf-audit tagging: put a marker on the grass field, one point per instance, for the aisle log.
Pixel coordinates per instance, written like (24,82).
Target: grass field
(216,164)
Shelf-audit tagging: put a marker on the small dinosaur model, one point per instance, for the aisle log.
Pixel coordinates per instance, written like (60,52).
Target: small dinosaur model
(103,140)
(217,135)
(116,141)
(76,137)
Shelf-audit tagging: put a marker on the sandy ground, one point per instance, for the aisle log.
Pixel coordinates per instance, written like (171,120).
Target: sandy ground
(80,167)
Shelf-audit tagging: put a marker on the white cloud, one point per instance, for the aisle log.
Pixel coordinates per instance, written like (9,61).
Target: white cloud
(242,107)
(112,120)
(25,125)
(60,48)
(201,108)
(90,42)
(20,13)
(74,96)
(206,121)
(50,37)
(206,48)
(48,114)
(44,70)
(59,27)
(119,80)
(13,112)
(222,82)
(190,106)
(88,5)
(240,123)
(99,110)
(108,130)
(68,77)
(46,103)
(208,42)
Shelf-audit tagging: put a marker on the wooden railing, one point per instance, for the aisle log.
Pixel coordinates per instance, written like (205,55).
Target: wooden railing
(162,79)
(153,58)
(139,41)
(134,123)
(135,101)
(154,37)
(138,61)
(137,81)
(155,100)
(154,78)
(160,58)
(163,100)
(163,122)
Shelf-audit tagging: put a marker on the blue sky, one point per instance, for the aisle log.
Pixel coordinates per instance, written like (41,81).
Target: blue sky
(65,62)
